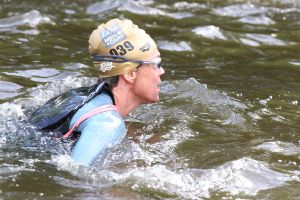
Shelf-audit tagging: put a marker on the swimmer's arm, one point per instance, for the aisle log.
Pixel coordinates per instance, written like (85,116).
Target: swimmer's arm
(95,138)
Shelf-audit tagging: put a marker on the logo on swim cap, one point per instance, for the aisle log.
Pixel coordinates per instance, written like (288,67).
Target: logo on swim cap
(112,35)
(146,47)
(106,66)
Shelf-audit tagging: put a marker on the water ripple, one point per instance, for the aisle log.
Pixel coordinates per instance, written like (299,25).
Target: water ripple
(8,89)
(257,39)
(173,46)
(262,19)
(240,10)
(138,7)
(242,176)
(284,148)
(135,7)
(101,7)
(211,32)
(189,6)
(42,74)
(31,19)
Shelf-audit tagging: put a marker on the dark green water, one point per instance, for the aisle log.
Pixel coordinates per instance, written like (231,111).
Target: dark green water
(227,125)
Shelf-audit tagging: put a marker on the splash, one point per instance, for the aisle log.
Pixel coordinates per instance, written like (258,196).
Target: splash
(42,93)
(198,98)
(137,164)
(244,176)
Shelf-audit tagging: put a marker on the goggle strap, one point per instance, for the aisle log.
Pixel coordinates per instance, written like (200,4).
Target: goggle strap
(118,59)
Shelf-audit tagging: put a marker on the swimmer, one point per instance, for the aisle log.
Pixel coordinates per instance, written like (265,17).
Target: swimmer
(128,64)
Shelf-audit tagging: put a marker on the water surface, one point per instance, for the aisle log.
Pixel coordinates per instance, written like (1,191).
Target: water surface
(227,125)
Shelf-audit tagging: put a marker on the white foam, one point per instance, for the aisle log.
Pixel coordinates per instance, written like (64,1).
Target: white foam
(211,32)
(173,46)
(10,170)
(265,101)
(245,176)
(296,63)
(179,15)
(254,116)
(294,102)
(265,111)
(284,148)
(242,176)
(40,94)
(3,140)
(11,110)
(64,162)
(183,5)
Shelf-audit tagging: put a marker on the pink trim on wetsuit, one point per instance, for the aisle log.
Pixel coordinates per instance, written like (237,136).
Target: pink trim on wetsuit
(88,115)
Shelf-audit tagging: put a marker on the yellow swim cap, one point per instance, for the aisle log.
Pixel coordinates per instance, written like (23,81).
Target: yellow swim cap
(118,43)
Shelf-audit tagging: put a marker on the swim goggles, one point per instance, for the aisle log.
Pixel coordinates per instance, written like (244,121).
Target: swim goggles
(121,59)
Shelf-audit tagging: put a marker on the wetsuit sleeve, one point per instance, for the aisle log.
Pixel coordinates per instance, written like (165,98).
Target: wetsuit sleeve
(97,134)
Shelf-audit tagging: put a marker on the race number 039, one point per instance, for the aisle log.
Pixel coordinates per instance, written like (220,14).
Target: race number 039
(122,49)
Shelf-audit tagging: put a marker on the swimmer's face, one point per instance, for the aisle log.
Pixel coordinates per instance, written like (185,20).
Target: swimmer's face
(147,82)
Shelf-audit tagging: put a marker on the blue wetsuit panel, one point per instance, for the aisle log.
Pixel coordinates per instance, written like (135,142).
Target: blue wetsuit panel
(98,132)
